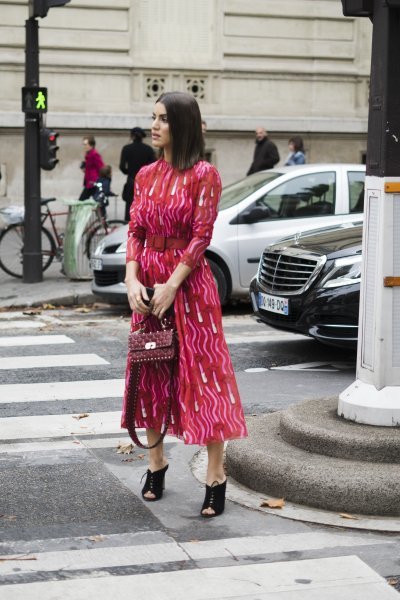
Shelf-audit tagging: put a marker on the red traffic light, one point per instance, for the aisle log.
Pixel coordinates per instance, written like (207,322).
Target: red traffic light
(48,148)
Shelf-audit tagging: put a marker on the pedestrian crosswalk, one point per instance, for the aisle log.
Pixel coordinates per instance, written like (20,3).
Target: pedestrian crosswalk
(62,390)
(141,564)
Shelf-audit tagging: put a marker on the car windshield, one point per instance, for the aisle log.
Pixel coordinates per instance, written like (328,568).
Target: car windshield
(236,192)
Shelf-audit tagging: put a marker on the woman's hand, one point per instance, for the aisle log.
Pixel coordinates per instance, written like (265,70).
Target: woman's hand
(136,296)
(164,296)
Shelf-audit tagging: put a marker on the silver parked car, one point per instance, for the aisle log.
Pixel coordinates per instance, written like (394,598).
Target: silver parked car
(253,212)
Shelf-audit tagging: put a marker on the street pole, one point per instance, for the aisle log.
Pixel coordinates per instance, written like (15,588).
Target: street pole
(374,398)
(32,257)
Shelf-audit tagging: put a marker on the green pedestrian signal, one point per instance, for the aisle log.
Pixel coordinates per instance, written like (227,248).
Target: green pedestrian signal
(41,101)
(34,100)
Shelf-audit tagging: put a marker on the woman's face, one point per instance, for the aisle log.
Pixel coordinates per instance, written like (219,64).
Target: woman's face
(160,133)
(291,147)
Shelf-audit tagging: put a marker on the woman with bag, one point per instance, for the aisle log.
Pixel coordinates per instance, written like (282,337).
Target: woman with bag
(172,217)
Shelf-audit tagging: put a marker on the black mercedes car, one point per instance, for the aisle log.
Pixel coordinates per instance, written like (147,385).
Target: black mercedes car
(310,284)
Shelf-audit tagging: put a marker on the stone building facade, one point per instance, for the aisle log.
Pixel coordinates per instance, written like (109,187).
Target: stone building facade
(292,66)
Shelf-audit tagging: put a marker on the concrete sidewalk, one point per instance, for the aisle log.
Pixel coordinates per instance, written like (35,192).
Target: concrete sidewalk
(55,289)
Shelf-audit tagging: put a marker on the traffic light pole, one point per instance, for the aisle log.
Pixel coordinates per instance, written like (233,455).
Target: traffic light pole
(32,258)
(374,398)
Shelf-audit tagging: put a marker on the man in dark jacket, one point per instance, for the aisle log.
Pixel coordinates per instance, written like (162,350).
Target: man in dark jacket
(266,154)
(133,157)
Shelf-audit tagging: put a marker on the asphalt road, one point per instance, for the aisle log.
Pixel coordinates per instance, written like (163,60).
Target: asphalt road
(72,504)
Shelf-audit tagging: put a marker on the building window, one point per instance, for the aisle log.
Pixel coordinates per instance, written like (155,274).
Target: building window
(155,86)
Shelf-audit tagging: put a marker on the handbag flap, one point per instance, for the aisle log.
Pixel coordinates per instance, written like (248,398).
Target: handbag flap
(142,341)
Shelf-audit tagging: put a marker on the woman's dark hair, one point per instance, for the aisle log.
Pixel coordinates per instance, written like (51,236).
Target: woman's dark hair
(105,171)
(297,142)
(90,140)
(184,121)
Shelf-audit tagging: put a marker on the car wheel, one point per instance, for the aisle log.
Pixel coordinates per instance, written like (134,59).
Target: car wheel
(220,280)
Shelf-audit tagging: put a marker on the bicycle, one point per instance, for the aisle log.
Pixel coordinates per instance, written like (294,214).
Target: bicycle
(12,238)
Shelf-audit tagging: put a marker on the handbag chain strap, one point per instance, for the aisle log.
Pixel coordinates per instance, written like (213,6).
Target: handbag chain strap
(132,403)
(133,387)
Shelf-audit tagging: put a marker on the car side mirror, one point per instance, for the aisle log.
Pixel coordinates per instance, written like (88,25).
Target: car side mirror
(255,214)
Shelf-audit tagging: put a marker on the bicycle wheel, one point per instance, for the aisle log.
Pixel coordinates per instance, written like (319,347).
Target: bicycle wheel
(12,249)
(99,232)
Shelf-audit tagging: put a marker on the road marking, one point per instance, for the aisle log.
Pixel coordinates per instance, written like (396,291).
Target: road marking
(263,338)
(97,558)
(10,314)
(21,324)
(271,544)
(51,360)
(327,366)
(62,390)
(106,555)
(347,578)
(255,370)
(51,426)
(81,444)
(35,340)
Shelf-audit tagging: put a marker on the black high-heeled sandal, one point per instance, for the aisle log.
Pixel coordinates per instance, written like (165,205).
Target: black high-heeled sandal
(154,483)
(215,499)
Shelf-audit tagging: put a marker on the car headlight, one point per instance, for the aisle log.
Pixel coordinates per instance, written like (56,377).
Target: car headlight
(121,248)
(99,249)
(345,271)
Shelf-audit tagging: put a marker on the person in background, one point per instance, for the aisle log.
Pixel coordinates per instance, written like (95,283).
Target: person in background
(134,156)
(296,152)
(103,188)
(104,179)
(266,154)
(91,167)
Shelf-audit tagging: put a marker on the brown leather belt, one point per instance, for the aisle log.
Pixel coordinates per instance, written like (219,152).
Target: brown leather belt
(160,243)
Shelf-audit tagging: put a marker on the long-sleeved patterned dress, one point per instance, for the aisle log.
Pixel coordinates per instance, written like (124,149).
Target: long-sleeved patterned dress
(206,405)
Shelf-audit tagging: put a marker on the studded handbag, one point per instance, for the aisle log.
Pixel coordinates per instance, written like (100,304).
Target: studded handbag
(145,347)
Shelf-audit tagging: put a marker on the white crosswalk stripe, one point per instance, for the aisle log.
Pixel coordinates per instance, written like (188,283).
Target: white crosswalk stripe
(347,578)
(4,325)
(62,390)
(44,361)
(152,564)
(35,340)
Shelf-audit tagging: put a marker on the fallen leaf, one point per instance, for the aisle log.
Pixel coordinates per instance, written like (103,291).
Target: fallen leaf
(82,309)
(347,516)
(125,448)
(81,416)
(141,456)
(32,311)
(76,442)
(128,459)
(194,541)
(96,538)
(48,306)
(273,503)
(393,581)
(4,558)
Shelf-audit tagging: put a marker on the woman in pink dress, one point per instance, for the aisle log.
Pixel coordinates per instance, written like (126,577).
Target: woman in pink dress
(172,217)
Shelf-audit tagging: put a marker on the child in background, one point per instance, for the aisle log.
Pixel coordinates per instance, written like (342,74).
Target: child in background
(103,188)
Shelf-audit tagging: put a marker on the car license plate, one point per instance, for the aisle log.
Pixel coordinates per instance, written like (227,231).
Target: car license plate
(274,304)
(96,264)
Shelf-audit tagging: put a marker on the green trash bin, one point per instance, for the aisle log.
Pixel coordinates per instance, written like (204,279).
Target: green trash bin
(80,216)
